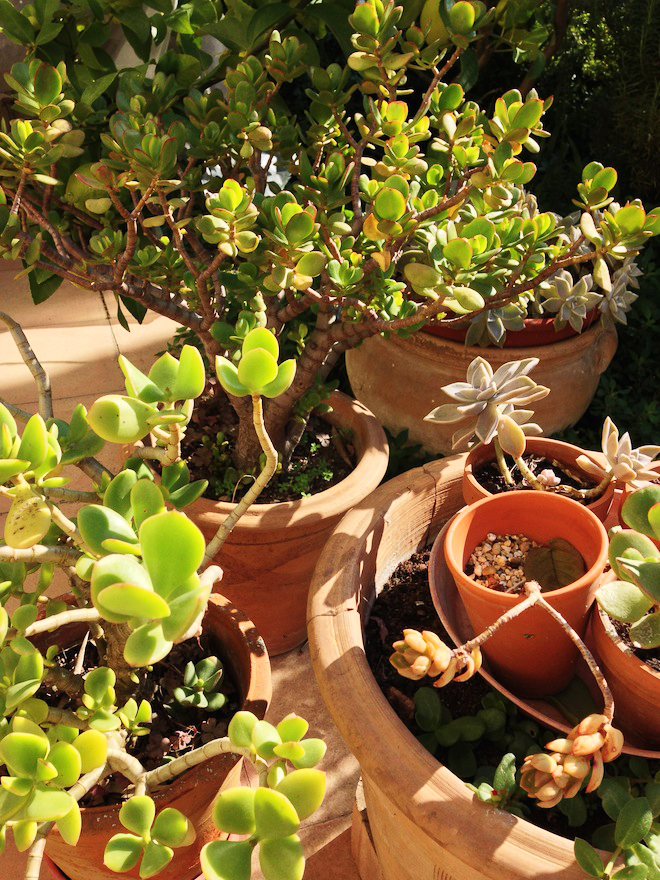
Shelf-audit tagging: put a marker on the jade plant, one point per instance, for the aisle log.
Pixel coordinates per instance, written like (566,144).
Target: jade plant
(633,598)
(140,578)
(185,185)
(488,408)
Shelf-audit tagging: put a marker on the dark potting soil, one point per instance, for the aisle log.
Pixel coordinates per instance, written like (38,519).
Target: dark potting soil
(174,730)
(651,658)
(490,478)
(323,458)
(405,602)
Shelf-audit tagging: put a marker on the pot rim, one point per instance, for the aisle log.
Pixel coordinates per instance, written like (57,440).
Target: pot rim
(427,792)
(453,555)
(483,452)
(373,456)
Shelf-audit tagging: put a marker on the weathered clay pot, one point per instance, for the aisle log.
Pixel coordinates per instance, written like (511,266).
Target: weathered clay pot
(565,453)
(635,686)
(244,652)
(532,654)
(269,557)
(400,379)
(425,823)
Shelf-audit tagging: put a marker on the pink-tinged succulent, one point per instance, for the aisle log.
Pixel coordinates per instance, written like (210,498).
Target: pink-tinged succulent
(558,774)
(423,653)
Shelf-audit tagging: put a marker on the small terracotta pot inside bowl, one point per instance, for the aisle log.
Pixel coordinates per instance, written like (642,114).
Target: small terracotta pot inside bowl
(555,450)
(634,685)
(532,654)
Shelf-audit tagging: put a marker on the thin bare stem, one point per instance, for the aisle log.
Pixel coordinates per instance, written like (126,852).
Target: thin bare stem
(176,767)
(40,376)
(75,615)
(255,489)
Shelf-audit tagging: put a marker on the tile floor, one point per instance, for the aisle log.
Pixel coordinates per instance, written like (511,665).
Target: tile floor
(77,338)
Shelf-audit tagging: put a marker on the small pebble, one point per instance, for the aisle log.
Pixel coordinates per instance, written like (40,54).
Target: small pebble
(497,562)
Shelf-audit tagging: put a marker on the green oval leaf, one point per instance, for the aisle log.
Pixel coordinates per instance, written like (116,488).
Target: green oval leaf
(191,375)
(282,859)
(122,852)
(97,523)
(274,814)
(257,368)
(226,860)
(234,811)
(633,822)
(305,789)
(172,549)
(131,601)
(260,337)
(120,419)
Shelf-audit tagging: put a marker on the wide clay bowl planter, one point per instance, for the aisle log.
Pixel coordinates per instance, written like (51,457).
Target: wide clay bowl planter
(556,450)
(400,380)
(269,557)
(424,822)
(634,685)
(244,653)
(532,654)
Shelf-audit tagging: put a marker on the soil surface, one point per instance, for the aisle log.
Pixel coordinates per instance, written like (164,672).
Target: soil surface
(174,730)
(490,478)
(651,658)
(323,458)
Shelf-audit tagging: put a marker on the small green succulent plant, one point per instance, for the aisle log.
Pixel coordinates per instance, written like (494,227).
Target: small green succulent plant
(141,574)
(633,598)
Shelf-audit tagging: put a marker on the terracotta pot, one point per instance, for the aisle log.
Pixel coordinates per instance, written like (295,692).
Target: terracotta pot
(400,379)
(565,453)
(537,331)
(243,650)
(269,557)
(531,654)
(424,822)
(635,686)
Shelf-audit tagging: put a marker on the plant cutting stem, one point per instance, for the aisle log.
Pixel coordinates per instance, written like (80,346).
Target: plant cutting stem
(534,597)
(210,750)
(48,624)
(41,377)
(501,462)
(255,489)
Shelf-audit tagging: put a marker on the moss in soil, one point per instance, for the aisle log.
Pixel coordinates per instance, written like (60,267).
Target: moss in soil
(405,602)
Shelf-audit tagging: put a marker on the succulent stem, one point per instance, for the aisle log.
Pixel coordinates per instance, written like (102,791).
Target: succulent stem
(501,462)
(255,489)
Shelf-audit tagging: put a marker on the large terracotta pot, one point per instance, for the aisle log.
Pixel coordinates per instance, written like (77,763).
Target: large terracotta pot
(635,686)
(400,379)
(565,453)
(269,557)
(531,654)
(537,331)
(244,652)
(425,823)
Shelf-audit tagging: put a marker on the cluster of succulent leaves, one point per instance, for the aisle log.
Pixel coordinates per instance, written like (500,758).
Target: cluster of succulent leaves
(394,213)
(485,749)
(267,817)
(634,597)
